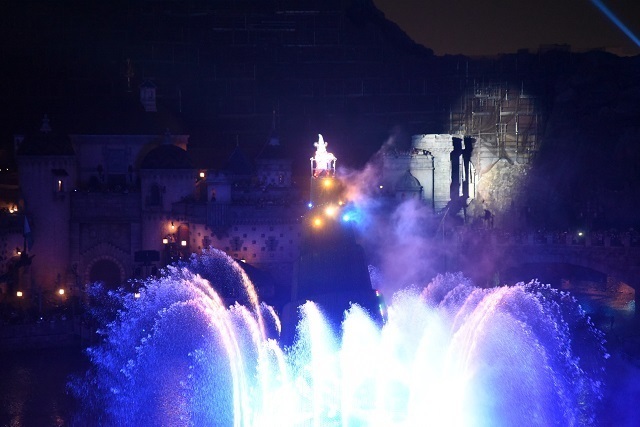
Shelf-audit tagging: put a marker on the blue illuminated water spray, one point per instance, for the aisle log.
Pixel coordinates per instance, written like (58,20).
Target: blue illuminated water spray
(616,21)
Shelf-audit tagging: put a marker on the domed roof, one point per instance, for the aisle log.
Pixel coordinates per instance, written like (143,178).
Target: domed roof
(408,182)
(46,143)
(167,156)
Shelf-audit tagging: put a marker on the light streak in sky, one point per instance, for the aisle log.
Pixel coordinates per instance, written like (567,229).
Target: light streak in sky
(616,21)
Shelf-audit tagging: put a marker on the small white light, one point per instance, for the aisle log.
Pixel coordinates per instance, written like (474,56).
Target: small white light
(19,294)
(61,291)
(183,243)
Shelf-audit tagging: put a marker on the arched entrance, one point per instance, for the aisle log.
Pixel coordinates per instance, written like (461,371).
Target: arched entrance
(106,271)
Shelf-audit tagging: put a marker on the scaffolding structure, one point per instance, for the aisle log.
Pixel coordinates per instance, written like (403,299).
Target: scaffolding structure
(502,119)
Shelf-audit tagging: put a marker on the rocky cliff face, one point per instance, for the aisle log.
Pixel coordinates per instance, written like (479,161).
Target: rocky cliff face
(587,168)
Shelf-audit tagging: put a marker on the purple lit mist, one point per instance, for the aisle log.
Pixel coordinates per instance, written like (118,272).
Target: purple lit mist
(401,238)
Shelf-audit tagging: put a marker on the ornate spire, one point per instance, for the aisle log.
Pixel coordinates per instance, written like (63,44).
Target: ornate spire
(46,127)
(273,137)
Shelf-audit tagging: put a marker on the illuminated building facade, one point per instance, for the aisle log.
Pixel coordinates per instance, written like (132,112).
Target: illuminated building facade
(113,207)
(438,169)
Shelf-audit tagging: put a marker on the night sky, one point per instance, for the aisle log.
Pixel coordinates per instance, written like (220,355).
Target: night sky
(504,26)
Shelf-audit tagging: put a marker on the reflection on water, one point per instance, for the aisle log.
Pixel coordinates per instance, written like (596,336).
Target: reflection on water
(33,386)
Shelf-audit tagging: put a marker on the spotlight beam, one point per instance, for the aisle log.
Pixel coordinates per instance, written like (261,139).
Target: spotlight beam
(609,14)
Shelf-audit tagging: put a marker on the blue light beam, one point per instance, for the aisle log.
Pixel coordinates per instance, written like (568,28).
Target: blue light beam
(616,21)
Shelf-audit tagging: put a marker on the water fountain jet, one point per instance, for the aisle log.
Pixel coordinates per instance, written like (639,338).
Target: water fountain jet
(449,354)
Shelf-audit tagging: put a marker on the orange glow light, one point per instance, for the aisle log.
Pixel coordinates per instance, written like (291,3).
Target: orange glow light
(317,222)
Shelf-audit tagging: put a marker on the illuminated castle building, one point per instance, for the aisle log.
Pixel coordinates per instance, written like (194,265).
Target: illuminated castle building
(114,207)
(438,169)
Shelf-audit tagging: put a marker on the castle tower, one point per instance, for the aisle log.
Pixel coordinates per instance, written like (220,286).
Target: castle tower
(167,176)
(47,172)
(273,165)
